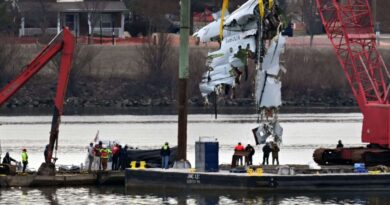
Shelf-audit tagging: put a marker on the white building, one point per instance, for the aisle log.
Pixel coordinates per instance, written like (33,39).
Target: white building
(81,17)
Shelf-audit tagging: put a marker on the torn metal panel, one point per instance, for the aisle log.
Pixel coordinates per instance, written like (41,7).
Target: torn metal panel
(243,40)
(240,20)
(272,95)
(271,61)
(217,58)
(271,131)
(268,87)
(230,46)
(233,54)
(213,78)
(277,132)
(210,32)
(260,84)
(261,133)
(242,15)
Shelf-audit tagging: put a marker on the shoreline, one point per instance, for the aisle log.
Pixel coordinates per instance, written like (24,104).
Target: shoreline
(170,110)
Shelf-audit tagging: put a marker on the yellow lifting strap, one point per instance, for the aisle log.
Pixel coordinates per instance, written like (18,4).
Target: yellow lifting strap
(225,5)
(270,4)
(261,8)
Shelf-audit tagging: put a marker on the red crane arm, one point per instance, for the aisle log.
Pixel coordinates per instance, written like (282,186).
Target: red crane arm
(64,42)
(349,27)
(65,67)
(53,48)
(37,64)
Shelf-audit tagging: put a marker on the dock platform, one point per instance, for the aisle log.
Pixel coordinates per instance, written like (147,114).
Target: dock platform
(224,180)
(76,179)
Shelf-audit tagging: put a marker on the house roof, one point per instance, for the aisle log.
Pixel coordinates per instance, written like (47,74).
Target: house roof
(91,6)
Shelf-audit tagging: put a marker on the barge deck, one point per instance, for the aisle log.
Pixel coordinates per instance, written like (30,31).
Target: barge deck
(224,180)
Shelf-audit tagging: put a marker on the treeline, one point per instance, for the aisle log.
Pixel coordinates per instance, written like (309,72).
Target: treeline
(313,78)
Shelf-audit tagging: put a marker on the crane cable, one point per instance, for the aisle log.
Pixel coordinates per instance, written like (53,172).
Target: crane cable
(225,5)
(261,8)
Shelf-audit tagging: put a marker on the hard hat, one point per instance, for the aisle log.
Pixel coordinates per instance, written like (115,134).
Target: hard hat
(104,146)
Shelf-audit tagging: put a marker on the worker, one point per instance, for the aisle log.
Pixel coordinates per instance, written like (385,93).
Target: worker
(91,156)
(96,157)
(98,154)
(340,144)
(266,151)
(275,153)
(123,158)
(165,153)
(46,153)
(104,155)
(251,152)
(24,159)
(115,156)
(7,159)
(239,147)
(119,164)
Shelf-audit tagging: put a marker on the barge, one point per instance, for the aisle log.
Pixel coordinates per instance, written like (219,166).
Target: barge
(225,180)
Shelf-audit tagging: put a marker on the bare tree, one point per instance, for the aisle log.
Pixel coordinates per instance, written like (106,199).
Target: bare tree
(38,15)
(83,56)
(9,18)
(7,46)
(197,67)
(157,56)
(42,17)
(154,11)
(95,8)
(8,53)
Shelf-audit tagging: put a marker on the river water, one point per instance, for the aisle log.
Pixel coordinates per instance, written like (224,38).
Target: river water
(302,134)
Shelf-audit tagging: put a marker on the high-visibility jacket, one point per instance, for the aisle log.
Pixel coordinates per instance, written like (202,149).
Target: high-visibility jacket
(24,157)
(104,153)
(165,151)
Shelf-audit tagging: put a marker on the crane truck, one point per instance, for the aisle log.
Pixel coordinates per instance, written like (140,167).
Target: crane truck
(62,43)
(350,29)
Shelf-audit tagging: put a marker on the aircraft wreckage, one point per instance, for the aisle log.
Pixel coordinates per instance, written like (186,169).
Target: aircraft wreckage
(244,34)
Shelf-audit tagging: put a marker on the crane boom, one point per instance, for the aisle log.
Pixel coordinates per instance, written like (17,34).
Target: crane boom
(63,42)
(350,29)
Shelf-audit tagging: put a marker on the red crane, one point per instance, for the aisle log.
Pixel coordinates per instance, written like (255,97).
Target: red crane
(63,42)
(350,29)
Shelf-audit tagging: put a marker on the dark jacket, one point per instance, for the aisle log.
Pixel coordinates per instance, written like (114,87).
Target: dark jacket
(7,159)
(165,151)
(266,149)
(46,153)
(250,149)
(123,153)
(275,150)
